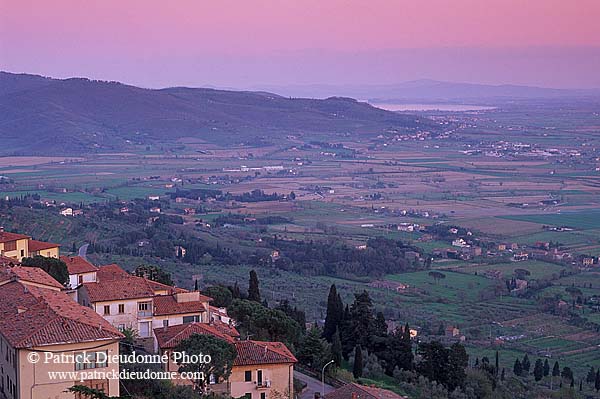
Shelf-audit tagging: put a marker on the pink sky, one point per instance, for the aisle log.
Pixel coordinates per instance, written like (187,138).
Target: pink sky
(197,42)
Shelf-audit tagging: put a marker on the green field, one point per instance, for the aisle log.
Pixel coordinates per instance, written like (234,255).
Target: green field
(449,287)
(584,220)
(538,269)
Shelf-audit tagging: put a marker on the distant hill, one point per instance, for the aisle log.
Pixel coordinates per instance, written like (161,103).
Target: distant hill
(44,115)
(431,90)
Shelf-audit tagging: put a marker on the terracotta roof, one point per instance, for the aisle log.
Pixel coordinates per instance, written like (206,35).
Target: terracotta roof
(113,290)
(356,391)
(111,272)
(35,246)
(225,328)
(114,283)
(167,304)
(259,352)
(6,261)
(32,316)
(248,352)
(156,286)
(28,275)
(170,337)
(78,265)
(5,236)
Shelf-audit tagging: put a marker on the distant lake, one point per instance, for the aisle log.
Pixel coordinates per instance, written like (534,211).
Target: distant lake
(432,107)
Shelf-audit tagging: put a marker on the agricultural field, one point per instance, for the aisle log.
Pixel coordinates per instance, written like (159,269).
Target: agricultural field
(502,175)
(537,269)
(583,220)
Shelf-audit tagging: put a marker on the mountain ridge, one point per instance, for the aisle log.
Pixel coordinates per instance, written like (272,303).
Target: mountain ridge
(79,115)
(433,90)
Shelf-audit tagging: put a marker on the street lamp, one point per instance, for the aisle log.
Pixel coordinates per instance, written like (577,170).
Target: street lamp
(323,379)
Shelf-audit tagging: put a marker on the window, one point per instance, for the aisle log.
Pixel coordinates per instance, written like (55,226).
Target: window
(145,329)
(106,310)
(90,360)
(263,395)
(165,323)
(121,327)
(247,395)
(144,309)
(191,319)
(80,279)
(248,375)
(22,253)
(10,246)
(121,308)
(259,380)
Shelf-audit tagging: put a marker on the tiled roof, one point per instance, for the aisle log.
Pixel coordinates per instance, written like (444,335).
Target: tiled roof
(5,236)
(113,290)
(167,304)
(6,261)
(35,246)
(78,265)
(170,337)
(248,352)
(258,352)
(356,391)
(31,316)
(111,272)
(156,286)
(28,275)
(225,328)
(113,283)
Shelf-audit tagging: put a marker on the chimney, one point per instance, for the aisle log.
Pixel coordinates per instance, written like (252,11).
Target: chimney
(354,395)
(1,229)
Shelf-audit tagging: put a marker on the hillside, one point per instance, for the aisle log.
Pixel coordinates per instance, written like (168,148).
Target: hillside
(41,115)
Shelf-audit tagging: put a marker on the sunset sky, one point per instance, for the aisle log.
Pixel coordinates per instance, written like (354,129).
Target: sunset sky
(248,43)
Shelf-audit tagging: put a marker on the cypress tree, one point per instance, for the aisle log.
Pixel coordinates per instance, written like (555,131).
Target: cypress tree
(357,370)
(235,291)
(546,368)
(518,368)
(567,373)
(526,363)
(591,376)
(346,333)
(497,363)
(538,370)
(502,375)
(597,381)
(335,313)
(556,369)
(253,290)
(408,357)
(379,325)
(336,349)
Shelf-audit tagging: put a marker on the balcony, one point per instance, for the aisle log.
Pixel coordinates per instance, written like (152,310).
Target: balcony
(263,384)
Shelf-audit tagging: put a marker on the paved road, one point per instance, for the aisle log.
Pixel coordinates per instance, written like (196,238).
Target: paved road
(83,250)
(312,385)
